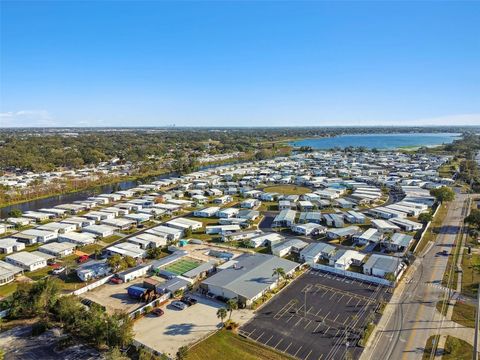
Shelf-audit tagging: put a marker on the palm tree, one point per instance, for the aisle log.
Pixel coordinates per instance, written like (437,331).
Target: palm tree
(232,304)
(279,272)
(222,314)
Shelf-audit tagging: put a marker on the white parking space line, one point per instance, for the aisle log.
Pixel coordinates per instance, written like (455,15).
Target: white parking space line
(297,351)
(316,328)
(306,357)
(290,318)
(309,322)
(334,293)
(276,346)
(336,317)
(260,335)
(287,347)
(268,340)
(299,321)
(349,299)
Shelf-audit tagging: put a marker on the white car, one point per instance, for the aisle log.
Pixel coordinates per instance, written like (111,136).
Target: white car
(58,270)
(179,305)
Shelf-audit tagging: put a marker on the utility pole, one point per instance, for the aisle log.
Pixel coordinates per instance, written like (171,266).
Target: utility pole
(477,320)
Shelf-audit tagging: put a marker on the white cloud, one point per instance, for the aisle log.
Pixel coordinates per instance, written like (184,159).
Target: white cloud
(27,118)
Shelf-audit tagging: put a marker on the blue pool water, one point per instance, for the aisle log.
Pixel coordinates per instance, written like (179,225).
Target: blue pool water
(379,141)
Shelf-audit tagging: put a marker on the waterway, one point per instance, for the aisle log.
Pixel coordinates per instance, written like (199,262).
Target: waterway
(379,141)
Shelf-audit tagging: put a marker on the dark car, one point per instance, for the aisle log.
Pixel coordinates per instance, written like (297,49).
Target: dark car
(188,300)
(221,298)
(158,312)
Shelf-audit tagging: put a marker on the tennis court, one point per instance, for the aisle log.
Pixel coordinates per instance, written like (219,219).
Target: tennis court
(182,266)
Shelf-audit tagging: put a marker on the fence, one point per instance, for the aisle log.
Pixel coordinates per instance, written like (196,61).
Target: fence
(91,286)
(352,274)
(156,302)
(425,229)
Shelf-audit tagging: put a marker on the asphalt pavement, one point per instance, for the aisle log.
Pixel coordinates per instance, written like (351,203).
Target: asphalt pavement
(411,317)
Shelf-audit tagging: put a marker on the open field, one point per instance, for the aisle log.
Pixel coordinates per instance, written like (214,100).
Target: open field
(238,348)
(287,189)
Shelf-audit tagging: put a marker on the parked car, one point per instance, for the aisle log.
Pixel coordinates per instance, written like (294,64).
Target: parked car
(51,262)
(179,305)
(82,259)
(221,298)
(158,312)
(59,270)
(189,300)
(210,295)
(116,280)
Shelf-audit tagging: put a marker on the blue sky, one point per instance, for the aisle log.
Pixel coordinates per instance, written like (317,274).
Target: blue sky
(250,63)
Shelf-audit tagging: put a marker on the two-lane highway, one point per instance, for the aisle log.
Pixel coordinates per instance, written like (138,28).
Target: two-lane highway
(411,316)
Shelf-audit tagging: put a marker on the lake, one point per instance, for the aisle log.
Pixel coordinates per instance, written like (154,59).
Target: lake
(379,141)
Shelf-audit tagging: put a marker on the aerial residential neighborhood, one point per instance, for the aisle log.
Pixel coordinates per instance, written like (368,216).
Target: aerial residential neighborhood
(239,180)
(274,236)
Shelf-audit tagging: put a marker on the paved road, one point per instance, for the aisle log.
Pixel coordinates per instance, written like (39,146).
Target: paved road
(411,317)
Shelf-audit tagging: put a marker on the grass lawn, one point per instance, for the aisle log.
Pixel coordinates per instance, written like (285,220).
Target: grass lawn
(457,349)
(204,221)
(435,225)
(287,189)
(8,289)
(464,314)
(38,274)
(225,344)
(428,346)
(111,239)
(471,273)
(90,249)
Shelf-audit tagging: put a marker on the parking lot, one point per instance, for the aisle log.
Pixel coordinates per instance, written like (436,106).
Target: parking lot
(317,317)
(176,328)
(115,297)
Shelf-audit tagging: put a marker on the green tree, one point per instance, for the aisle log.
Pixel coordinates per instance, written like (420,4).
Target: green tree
(232,304)
(443,194)
(130,261)
(154,253)
(16,213)
(390,276)
(222,314)
(425,217)
(115,262)
(115,354)
(182,353)
(473,219)
(279,272)
(188,232)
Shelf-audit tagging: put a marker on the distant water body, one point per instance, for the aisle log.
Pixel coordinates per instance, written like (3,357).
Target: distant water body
(379,141)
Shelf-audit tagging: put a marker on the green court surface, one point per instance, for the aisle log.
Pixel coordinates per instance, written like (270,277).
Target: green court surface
(182,266)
